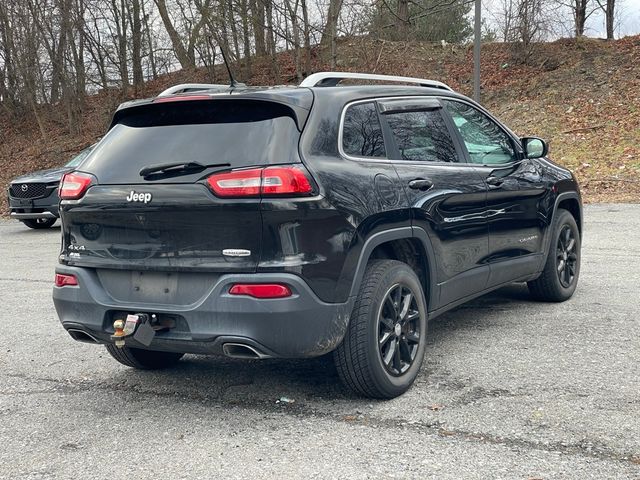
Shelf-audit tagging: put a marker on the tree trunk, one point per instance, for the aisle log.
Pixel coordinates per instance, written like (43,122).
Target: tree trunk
(149,38)
(580,14)
(258,24)
(307,37)
(180,50)
(610,17)
(403,19)
(136,45)
(330,33)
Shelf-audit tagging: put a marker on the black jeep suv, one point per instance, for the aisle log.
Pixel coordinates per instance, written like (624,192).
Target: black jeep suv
(298,221)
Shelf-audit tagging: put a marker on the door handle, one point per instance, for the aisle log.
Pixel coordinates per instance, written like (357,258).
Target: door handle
(420,184)
(494,181)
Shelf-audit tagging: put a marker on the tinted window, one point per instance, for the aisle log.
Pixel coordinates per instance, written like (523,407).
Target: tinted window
(486,142)
(422,136)
(240,133)
(361,133)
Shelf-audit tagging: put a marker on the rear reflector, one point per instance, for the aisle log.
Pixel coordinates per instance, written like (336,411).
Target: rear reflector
(74,185)
(261,290)
(65,280)
(269,181)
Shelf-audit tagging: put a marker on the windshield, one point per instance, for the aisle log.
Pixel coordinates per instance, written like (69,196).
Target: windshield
(77,160)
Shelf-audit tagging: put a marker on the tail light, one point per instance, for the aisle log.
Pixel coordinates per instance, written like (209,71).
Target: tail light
(261,290)
(74,185)
(66,280)
(289,181)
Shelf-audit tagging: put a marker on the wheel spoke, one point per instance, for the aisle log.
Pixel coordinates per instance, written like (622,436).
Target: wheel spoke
(397,361)
(561,266)
(413,314)
(406,303)
(388,357)
(567,276)
(571,246)
(385,338)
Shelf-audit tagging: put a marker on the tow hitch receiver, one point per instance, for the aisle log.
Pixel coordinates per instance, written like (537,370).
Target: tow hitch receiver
(137,326)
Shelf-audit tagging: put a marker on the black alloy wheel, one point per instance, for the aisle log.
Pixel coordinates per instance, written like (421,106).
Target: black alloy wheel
(398,329)
(567,257)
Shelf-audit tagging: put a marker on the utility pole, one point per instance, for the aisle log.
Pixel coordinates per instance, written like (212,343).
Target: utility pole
(476,53)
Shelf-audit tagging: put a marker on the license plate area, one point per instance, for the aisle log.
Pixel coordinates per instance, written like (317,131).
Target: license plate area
(24,203)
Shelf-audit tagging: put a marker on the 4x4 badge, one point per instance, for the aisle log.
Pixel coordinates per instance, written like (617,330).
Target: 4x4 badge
(138,197)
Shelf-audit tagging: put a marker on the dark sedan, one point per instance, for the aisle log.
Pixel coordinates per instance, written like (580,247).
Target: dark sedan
(33,198)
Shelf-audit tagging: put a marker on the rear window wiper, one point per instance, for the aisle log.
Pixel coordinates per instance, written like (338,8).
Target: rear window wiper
(178,167)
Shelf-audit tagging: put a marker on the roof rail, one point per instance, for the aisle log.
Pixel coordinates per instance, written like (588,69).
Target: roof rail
(331,79)
(191,87)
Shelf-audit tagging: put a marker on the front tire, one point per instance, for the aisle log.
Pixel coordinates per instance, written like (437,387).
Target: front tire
(39,223)
(143,359)
(559,278)
(383,349)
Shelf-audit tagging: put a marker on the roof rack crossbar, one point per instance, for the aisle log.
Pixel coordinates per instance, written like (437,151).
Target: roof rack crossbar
(191,87)
(331,79)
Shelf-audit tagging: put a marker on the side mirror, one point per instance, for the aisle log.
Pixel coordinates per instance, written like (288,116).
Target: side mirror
(534,147)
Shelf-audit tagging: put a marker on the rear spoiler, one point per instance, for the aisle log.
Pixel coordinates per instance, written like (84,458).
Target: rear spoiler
(299,101)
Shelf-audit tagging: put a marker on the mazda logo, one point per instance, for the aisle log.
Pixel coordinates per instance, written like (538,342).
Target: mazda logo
(24,187)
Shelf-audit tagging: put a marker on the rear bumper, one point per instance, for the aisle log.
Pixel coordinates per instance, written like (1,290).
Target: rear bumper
(294,327)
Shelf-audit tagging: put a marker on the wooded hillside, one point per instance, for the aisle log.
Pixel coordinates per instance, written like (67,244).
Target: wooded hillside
(582,95)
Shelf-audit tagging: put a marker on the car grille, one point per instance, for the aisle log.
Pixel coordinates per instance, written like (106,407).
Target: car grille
(28,190)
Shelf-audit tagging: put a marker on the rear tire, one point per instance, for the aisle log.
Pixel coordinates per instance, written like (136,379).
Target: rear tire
(39,223)
(559,278)
(143,359)
(382,351)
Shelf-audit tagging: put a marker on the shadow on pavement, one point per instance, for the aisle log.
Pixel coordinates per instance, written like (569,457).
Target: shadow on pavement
(237,381)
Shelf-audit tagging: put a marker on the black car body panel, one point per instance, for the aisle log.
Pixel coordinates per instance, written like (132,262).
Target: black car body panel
(465,227)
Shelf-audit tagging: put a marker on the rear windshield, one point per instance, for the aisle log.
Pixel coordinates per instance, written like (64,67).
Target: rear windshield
(240,133)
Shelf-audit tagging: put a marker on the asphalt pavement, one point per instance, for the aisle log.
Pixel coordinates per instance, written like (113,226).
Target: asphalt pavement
(510,389)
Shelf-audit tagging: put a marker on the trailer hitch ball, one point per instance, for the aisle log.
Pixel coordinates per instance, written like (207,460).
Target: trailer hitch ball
(119,334)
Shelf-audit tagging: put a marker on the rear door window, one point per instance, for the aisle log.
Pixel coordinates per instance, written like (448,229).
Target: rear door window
(422,136)
(362,133)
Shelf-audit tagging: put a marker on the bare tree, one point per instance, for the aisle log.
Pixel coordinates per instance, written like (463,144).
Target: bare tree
(609,8)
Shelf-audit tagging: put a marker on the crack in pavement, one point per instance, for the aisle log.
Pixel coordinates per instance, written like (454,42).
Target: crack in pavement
(584,448)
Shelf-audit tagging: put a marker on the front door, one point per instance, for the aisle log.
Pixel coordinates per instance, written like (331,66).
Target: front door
(515,191)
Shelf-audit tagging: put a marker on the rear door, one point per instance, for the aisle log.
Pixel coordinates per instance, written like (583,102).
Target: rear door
(447,197)
(172,220)
(515,193)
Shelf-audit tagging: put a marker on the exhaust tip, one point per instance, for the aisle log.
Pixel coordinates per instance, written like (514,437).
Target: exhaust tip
(80,336)
(240,350)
